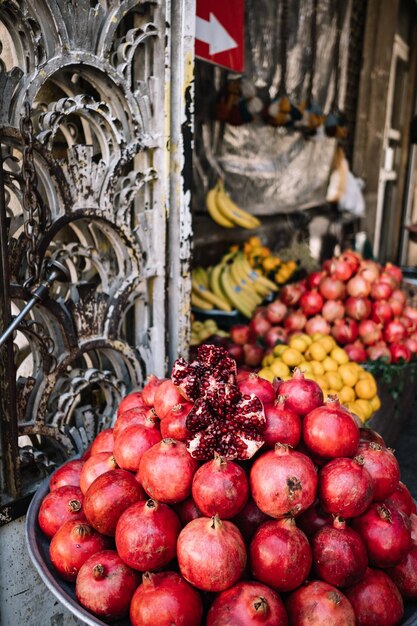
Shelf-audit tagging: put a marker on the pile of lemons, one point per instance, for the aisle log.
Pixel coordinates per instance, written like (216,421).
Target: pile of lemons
(320,358)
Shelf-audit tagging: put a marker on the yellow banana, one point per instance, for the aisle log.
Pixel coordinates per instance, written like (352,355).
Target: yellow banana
(260,280)
(201,276)
(214,211)
(248,290)
(199,303)
(203,293)
(234,293)
(253,277)
(232,212)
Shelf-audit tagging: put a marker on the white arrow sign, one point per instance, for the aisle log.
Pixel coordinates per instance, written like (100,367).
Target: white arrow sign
(213,33)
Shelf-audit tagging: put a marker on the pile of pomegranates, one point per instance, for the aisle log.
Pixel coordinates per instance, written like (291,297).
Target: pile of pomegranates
(358,301)
(220,501)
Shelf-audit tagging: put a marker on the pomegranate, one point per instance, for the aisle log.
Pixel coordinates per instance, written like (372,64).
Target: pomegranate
(370,270)
(67,474)
(345,331)
(283,425)
(383,467)
(275,335)
(131,444)
(404,574)
(166,471)
(247,603)
(311,302)
(96,465)
(146,535)
(368,435)
(358,308)
(369,332)
(314,279)
(260,324)
(103,442)
(317,604)
(399,296)
(342,269)
(394,331)
(379,351)
(280,555)
(252,354)
(411,344)
(401,499)
(381,290)
(283,482)
(381,312)
(108,496)
(72,545)
(291,294)
(358,286)
(329,431)
(397,307)
(411,313)
(302,395)
(356,351)
(333,310)
(241,334)
(58,506)
(389,279)
(220,487)
(295,321)
(262,388)
(345,487)
(149,390)
(376,600)
(313,518)
(167,395)
(187,510)
(386,534)
(249,519)
(164,599)
(131,401)
(211,553)
(400,352)
(332,289)
(395,271)
(236,352)
(317,324)
(339,554)
(413,528)
(276,312)
(105,585)
(174,425)
(135,417)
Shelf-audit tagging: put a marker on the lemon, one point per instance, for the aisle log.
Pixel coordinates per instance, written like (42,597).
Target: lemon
(334,380)
(297,343)
(316,351)
(316,336)
(279,369)
(322,381)
(375,403)
(292,357)
(366,406)
(357,410)
(363,374)
(266,373)
(305,366)
(279,349)
(267,360)
(306,338)
(349,374)
(317,367)
(339,355)
(330,365)
(347,394)
(366,388)
(328,343)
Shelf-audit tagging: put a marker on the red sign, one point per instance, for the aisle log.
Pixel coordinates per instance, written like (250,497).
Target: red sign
(219,32)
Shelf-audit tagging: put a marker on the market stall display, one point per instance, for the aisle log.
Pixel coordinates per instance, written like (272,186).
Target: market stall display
(254,542)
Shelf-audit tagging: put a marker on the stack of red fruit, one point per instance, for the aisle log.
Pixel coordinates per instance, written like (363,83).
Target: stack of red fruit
(216,501)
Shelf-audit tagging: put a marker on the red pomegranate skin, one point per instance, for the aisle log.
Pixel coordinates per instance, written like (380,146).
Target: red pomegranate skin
(339,554)
(72,545)
(247,603)
(138,416)
(132,400)
(94,466)
(413,528)
(211,553)
(220,487)
(167,395)
(303,395)
(149,390)
(249,519)
(401,499)
(283,482)
(173,426)
(261,387)
(345,487)
(280,555)
(386,534)
(131,443)
(59,506)
(164,599)
(105,585)
(103,442)
(383,468)
(404,574)
(330,431)
(368,435)
(166,471)
(108,496)
(146,535)
(282,425)
(314,518)
(319,604)
(376,600)
(67,474)
(187,510)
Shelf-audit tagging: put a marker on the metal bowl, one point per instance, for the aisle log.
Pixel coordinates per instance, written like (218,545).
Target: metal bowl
(38,547)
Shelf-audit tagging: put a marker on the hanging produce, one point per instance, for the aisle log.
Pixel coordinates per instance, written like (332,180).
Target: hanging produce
(225,212)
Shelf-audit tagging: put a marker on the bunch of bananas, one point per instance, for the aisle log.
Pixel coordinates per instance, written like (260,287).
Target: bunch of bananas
(231,284)
(202,330)
(262,258)
(225,212)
